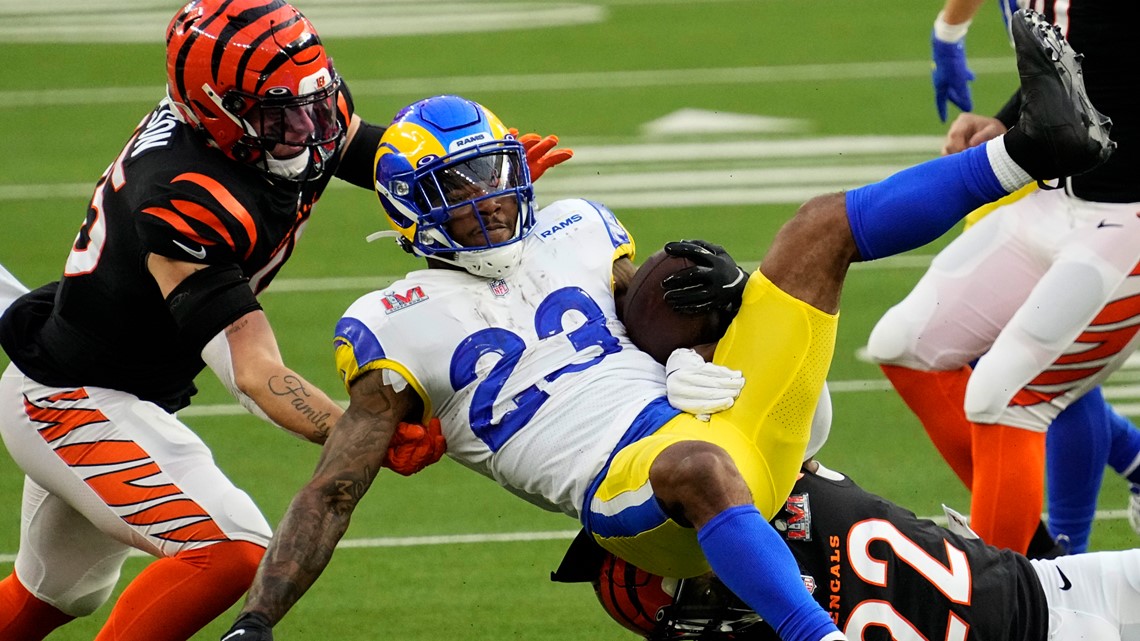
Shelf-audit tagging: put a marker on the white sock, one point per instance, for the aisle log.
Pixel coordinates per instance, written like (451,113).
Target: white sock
(1010,174)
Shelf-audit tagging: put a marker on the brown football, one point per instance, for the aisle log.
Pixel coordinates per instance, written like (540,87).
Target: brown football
(651,323)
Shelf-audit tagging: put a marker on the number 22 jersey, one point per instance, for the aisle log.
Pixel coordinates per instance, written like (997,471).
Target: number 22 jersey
(884,573)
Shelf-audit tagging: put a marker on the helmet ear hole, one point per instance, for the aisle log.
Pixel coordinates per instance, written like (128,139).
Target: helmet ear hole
(233,103)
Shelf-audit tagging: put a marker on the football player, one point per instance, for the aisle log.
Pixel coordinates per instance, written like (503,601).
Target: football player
(880,570)
(189,223)
(537,385)
(1043,287)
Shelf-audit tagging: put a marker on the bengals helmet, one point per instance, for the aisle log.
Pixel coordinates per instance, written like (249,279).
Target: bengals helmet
(663,609)
(438,159)
(254,77)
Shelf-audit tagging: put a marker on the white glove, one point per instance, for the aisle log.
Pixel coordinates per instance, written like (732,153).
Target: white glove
(698,387)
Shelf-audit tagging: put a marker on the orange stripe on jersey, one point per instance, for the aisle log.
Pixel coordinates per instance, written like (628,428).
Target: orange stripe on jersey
(118,488)
(1107,343)
(1062,376)
(167,511)
(1101,345)
(204,530)
(123,488)
(227,200)
(1118,310)
(176,221)
(58,422)
(206,217)
(1028,397)
(101,453)
(73,395)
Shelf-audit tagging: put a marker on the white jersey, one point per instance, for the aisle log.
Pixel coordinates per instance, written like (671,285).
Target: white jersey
(532,376)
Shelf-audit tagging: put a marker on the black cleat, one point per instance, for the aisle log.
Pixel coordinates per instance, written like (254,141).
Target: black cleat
(1067,132)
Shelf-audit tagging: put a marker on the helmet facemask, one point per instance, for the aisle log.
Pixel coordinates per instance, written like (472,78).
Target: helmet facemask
(464,203)
(287,136)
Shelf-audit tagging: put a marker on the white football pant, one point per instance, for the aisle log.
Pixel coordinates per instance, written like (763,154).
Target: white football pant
(107,472)
(1093,596)
(1041,291)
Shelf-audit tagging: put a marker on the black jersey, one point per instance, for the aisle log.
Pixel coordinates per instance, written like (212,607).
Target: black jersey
(105,322)
(882,573)
(1099,30)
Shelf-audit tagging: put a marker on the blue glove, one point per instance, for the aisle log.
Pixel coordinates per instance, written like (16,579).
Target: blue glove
(951,75)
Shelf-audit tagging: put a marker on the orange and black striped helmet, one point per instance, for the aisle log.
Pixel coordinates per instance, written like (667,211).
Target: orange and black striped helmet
(700,608)
(253,75)
(636,599)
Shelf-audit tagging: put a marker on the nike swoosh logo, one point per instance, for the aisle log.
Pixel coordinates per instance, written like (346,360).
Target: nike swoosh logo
(199,253)
(1105,223)
(235,633)
(1065,583)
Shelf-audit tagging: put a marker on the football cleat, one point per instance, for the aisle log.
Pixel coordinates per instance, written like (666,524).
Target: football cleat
(1056,112)
(1134,507)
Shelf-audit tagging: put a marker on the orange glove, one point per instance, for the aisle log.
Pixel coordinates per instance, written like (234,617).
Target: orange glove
(414,447)
(540,152)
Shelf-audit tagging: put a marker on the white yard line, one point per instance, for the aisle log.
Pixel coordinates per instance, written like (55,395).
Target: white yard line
(515,537)
(567,81)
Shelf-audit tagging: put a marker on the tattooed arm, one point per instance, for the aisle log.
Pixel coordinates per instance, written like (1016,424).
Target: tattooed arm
(319,514)
(286,398)
(245,354)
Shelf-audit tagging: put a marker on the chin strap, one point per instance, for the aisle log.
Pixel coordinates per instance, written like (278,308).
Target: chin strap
(384,233)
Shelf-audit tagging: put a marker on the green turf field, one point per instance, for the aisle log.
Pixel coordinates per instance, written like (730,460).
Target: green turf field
(691,118)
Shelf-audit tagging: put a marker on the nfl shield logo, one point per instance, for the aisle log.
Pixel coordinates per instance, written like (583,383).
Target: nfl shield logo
(499,287)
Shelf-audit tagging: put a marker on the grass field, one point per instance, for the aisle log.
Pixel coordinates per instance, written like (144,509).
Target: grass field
(648,92)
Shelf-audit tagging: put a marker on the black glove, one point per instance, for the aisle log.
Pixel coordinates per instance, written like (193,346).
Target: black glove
(251,626)
(715,284)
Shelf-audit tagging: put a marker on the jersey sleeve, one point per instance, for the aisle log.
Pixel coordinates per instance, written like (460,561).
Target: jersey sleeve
(619,236)
(198,218)
(359,346)
(586,232)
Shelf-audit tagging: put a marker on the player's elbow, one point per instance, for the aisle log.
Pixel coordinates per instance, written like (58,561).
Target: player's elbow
(255,377)
(821,223)
(816,242)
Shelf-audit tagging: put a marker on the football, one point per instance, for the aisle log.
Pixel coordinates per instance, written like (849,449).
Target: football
(651,323)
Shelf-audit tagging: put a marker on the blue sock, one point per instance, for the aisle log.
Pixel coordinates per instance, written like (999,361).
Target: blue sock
(1076,450)
(1125,447)
(751,559)
(917,205)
